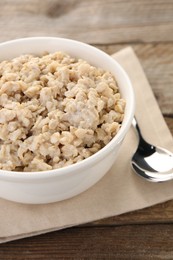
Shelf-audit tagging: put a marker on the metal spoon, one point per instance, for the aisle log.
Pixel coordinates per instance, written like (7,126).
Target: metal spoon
(151,162)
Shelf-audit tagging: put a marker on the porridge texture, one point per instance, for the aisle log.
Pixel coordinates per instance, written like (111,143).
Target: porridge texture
(55,110)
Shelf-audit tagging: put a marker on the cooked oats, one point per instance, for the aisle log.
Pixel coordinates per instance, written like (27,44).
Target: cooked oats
(55,110)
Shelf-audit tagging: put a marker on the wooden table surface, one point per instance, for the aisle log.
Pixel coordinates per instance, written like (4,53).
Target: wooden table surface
(146,25)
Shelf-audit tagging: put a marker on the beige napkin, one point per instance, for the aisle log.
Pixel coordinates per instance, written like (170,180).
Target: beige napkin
(118,192)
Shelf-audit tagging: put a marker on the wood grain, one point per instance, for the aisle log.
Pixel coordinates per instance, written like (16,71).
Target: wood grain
(158,214)
(92,21)
(114,242)
(169,121)
(157,62)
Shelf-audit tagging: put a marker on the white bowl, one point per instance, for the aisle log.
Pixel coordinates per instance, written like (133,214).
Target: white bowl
(64,183)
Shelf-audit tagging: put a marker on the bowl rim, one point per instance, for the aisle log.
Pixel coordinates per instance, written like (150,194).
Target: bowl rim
(68,170)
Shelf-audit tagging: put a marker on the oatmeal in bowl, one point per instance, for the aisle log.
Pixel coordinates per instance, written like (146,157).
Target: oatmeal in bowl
(65,108)
(55,110)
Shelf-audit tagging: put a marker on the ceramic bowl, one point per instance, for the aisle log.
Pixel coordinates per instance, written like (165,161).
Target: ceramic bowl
(60,184)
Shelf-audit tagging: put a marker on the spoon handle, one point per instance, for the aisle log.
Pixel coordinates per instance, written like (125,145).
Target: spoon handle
(136,126)
(144,148)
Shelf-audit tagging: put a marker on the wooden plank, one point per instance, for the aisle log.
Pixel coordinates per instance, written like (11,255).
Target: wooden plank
(158,214)
(93,21)
(157,62)
(122,242)
(169,121)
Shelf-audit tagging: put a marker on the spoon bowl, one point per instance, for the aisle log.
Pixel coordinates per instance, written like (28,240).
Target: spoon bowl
(151,162)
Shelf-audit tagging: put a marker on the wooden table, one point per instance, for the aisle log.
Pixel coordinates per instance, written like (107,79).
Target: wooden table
(146,25)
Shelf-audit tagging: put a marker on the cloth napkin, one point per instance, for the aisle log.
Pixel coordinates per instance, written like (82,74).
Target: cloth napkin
(119,191)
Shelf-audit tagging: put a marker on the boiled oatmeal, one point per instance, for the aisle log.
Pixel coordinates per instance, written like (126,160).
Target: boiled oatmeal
(55,110)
